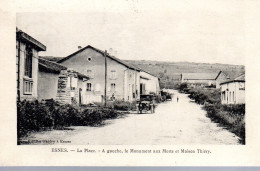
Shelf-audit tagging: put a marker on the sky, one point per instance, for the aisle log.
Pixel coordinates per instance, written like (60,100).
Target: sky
(209,31)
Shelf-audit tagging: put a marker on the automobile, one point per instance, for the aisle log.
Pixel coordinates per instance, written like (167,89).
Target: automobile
(168,96)
(146,103)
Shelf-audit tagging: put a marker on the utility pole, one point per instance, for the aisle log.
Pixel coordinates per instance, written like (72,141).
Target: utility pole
(105,54)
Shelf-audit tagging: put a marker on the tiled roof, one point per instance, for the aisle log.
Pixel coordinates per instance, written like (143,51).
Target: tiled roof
(51,58)
(199,76)
(51,65)
(102,52)
(56,68)
(240,78)
(141,69)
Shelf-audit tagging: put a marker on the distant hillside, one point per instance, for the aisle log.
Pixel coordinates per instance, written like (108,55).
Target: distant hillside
(172,70)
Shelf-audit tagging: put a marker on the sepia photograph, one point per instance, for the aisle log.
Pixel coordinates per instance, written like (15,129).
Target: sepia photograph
(130,83)
(131,78)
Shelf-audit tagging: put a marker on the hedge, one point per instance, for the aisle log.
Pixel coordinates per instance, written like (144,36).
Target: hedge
(231,116)
(36,116)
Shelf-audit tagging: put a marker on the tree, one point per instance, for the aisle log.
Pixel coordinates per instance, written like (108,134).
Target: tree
(161,74)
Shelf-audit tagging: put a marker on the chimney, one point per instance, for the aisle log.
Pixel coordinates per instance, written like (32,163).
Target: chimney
(79,47)
(110,51)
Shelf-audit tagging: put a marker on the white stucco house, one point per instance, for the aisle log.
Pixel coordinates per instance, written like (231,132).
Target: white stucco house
(233,92)
(122,79)
(149,84)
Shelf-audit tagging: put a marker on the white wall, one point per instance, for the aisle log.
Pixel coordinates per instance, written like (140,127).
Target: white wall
(234,93)
(34,72)
(80,63)
(151,85)
(47,85)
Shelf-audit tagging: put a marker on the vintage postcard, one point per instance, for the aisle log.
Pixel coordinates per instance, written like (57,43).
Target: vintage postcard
(130,83)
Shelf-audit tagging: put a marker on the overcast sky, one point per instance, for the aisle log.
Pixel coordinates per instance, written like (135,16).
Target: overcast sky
(164,30)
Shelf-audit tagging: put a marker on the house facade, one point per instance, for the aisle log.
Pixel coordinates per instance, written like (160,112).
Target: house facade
(233,92)
(59,83)
(149,84)
(122,81)
(27,49)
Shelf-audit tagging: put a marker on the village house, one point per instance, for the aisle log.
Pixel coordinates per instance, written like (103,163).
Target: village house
(60,83)
(123,80)
(149,84)
(27,49)
(204,79)
(233,92)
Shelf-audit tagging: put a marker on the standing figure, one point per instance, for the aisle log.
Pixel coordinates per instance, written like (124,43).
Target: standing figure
(177,99)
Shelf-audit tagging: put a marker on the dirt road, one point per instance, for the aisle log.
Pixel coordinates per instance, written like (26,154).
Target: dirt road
(173,123)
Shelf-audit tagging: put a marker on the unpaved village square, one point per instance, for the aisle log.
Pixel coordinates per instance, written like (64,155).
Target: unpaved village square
(173,123)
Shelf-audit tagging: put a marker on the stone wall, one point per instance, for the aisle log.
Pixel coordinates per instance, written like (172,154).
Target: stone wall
(65,93)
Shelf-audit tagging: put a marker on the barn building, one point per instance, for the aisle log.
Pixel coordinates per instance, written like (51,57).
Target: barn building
(204,79)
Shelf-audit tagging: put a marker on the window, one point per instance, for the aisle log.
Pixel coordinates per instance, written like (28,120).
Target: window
(113,74)
(233,96)
(113,87)
(88,86)
(227,96)
(27,86)
(28,62)
(223,95)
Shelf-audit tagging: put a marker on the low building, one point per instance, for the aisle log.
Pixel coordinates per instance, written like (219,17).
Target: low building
(59,83)
(27,49)
(233,92)
(149,84)
(123,80)
(204,79)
